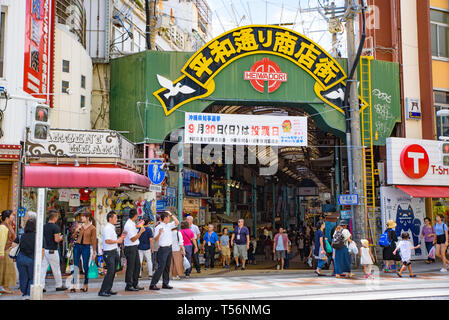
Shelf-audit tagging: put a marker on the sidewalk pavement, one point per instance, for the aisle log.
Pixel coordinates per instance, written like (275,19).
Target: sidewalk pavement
(263,268)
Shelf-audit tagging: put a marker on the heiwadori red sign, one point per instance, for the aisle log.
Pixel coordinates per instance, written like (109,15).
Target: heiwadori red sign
(417,162)
(265,70)
(39,40)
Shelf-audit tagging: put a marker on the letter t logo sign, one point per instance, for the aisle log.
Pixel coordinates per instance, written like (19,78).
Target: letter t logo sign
(416,156)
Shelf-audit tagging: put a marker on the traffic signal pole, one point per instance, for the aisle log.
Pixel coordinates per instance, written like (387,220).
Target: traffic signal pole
(37,286)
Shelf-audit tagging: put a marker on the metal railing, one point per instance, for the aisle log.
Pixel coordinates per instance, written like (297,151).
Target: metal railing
(72,14)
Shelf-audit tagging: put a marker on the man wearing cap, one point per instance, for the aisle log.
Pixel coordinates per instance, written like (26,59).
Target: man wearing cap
(388,255)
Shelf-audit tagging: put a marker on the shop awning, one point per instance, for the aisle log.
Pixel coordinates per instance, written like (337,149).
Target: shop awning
(78,177)
(425,191)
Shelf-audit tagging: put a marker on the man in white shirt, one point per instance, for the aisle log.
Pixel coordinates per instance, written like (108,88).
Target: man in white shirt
(132,252)
(163,234)
(110,254)
(196,233)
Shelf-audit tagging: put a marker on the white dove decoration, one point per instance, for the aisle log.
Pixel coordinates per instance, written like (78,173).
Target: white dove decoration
(337,94)
(174,89)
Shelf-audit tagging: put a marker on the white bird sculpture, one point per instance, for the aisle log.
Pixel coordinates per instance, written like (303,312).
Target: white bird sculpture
(337,94)
(174,89)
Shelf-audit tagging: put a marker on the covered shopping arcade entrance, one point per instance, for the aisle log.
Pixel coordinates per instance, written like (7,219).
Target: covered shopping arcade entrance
(253,70)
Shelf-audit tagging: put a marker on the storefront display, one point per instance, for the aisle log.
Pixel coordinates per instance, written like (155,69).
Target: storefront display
(218,194)
(407,212)
(191,207)
(195,183)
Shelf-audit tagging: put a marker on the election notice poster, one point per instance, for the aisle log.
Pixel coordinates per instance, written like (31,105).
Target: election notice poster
(237,129)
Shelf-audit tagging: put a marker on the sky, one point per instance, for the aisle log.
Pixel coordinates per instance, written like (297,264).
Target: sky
(229,14)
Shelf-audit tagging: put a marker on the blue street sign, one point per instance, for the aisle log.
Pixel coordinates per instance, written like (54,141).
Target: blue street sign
(155,172)
(161,205)
(348,199)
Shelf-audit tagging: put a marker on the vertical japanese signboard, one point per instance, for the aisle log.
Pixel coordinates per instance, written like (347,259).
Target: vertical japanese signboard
(39,25)
(234,129)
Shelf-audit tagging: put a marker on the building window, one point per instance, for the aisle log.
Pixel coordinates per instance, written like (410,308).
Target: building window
(439,29)
(83,82)
(442,103)
(65,66)
(2,42)
(83,102)
(65,86)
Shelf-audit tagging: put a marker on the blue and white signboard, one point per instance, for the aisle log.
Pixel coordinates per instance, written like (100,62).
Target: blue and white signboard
(155,172)
(161,205)
(348,199)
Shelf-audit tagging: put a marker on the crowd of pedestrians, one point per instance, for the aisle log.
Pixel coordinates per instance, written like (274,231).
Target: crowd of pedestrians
(171,249)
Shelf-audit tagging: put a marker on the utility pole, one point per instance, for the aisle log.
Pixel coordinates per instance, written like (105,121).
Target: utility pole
(356,181)
(147,22)
(334,34)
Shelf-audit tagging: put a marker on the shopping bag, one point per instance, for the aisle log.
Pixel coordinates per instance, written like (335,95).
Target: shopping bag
(14,252)
(328,247)
(186,263)
(432,253)
(353,248)
(309,262)
(93,271)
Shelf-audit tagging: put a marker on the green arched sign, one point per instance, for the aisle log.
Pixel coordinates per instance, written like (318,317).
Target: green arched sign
(253,65)
(201,69)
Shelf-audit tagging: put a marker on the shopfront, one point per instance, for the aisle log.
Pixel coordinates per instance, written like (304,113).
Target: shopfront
(196,192)
(86,170)
(418,175)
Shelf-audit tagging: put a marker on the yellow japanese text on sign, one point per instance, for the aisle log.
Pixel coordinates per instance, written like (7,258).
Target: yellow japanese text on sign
(205,64)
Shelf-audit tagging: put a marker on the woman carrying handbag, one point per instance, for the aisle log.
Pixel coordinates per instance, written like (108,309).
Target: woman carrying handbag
(190,245)
(85,238)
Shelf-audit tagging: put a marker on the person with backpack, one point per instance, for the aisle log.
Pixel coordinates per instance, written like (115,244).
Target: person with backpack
(340,242)
(388,241)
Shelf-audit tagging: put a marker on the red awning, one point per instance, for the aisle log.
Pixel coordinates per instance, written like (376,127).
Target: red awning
(78,177)
(426,191)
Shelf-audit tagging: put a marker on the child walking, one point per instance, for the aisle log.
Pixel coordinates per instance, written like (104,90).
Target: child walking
(366,258)
(405,251)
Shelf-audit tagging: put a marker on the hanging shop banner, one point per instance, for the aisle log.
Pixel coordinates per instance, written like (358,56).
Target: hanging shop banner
(161,205)
(195,183)
(75,200)
(348,199)
(200,70)
(311,191)
(408,213)
(202,216)
(345,214)
(170,198)
(231,129)
(218,193)
(64,195)
(39,43)
(417,162)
